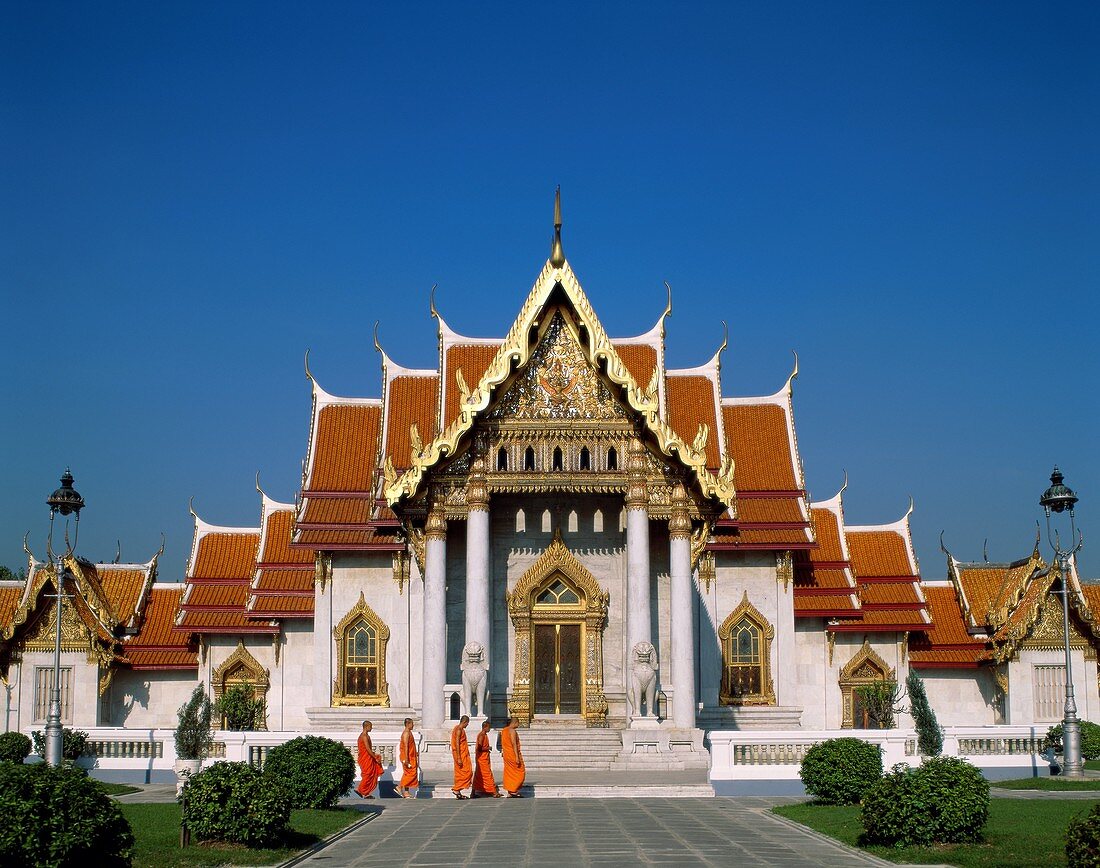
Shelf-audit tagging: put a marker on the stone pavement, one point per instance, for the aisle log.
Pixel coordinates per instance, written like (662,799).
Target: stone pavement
(590,832)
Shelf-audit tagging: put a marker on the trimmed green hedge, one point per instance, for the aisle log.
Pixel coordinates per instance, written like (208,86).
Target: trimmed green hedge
(232,802)
(1090,739)
(74,743)
(14,747)
(839,771)
(1083,840)
(55,817)
(943,801)
(313,771)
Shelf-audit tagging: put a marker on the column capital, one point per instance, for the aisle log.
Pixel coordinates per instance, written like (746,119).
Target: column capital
(477,492)
(679,526)
(436,526)
(637,494)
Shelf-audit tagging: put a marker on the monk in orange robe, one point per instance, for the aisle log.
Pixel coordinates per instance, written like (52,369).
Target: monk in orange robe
(410,762)
(460,751)
(514,769)
(370,764)
(483,770)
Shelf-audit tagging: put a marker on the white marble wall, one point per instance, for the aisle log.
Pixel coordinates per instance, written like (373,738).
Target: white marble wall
(961,697)
(147,698)
(1021,693)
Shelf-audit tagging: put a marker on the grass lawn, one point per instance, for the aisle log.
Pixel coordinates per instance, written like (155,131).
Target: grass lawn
(1049,783)
(157,835)
(1020,833)
(117,789)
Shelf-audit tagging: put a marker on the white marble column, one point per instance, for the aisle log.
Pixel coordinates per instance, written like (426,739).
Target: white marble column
(682,620)
(435,618)
(639,626)
(477,565)
(322,631)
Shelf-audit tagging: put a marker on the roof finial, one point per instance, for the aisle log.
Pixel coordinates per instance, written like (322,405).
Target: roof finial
(431,302)
(557,255)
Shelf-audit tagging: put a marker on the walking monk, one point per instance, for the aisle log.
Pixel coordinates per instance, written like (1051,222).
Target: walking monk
(514,770)
(370,764)
(483,770)
(410,762)
(460,751)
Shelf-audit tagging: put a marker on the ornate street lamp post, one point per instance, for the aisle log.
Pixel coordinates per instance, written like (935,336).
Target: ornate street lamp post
(66,501)
(1060,498)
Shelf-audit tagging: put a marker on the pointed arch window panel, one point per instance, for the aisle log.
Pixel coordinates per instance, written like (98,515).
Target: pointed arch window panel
(746,638)
(865,670)
(361,638)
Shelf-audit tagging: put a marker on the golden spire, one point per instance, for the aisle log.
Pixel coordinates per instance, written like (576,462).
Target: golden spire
(557,255)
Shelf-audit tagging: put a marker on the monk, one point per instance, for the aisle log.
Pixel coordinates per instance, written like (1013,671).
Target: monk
(514,770)
(410,762)
(370,764)
(460,751)
(484,785)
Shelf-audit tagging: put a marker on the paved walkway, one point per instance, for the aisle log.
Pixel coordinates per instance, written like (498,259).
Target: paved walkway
(590,832)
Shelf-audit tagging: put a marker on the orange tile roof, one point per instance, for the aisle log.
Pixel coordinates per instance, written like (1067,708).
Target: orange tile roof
(822,606)
(821,579)
(891,595)
(474,361)
(880,553)
(748,537)
(224,622)
(284,580)
(122,586)
(335,510)
(411,400)
(1092,597)
(216,597)
(158,646)
(9,600)
(640,360)
(335,539)
(992,590)
(770,510)
(279,524)
(827,525)
(345,447)
(281,607)
(225,556)
(948,627)
(888,620)
(758,440)
(691,403)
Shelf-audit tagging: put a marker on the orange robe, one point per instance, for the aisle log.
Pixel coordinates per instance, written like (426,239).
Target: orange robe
(410,755)
(483,773)
(514,772)
(460,751)
(370,769)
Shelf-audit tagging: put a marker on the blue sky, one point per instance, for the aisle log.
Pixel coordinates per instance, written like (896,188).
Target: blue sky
(907,194)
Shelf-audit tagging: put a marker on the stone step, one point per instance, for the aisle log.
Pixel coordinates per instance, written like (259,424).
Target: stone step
(594,791)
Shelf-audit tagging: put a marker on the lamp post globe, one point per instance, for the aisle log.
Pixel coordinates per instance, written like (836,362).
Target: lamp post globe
(67,501)
(1060,498)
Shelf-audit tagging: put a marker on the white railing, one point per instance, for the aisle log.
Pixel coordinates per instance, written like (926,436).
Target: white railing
(776,754)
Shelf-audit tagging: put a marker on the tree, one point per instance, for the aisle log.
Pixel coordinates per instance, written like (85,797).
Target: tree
(929,735)
(9,575)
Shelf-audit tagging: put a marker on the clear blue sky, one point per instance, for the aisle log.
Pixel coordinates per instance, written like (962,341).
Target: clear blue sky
(907,194)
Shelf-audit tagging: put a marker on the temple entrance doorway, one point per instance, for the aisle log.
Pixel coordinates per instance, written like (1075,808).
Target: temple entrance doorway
(558,664)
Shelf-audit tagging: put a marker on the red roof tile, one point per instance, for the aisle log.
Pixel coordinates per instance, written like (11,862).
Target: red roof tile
(691,403)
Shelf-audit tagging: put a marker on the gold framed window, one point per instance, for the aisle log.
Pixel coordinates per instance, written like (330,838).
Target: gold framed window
(863,670)
(361,638)
(746,638)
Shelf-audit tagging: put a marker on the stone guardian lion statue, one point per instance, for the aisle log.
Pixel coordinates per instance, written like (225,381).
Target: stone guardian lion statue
(643,680)
(475,679)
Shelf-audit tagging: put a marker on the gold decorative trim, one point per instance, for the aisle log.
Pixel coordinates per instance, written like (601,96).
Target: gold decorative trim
(591,613)
(830,638)
(766,696)
(707,573)
(784,569)
(515,352)
(866,667)
(401,570)
(364,611)
(436,526)
(322,570)
(679,526)
(255,675)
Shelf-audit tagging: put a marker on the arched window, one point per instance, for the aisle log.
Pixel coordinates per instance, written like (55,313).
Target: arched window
(746,649)
(597,521)
(502,459)
(586,458)
(521,521)
(612,459)
(529,459)
(361,651)
(866,671)
(239,670)
(557,465)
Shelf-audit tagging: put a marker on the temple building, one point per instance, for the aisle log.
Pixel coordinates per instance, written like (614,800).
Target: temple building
(560,526)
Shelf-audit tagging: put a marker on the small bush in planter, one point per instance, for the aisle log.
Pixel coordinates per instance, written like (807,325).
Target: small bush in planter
(314,772)
(193,735)
(839,771)
(59,817)
(239,709)
(1083,840)
(74,743)
(1090,740)
(943,801)
(232,802)
(14,747)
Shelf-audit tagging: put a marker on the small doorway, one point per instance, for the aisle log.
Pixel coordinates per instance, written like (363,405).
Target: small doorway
(558,676)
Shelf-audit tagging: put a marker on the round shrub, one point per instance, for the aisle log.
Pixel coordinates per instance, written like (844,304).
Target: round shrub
(943,801)
(59,817)
(1083,840)
(839,771)
(313,771)
(74,743)
(1090,739)
(231,802)
(14,747)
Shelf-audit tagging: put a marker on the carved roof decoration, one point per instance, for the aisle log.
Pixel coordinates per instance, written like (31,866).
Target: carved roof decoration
(863,660)
(241,659)
(514,354)
(361,610)
(746,609)
(557,558)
